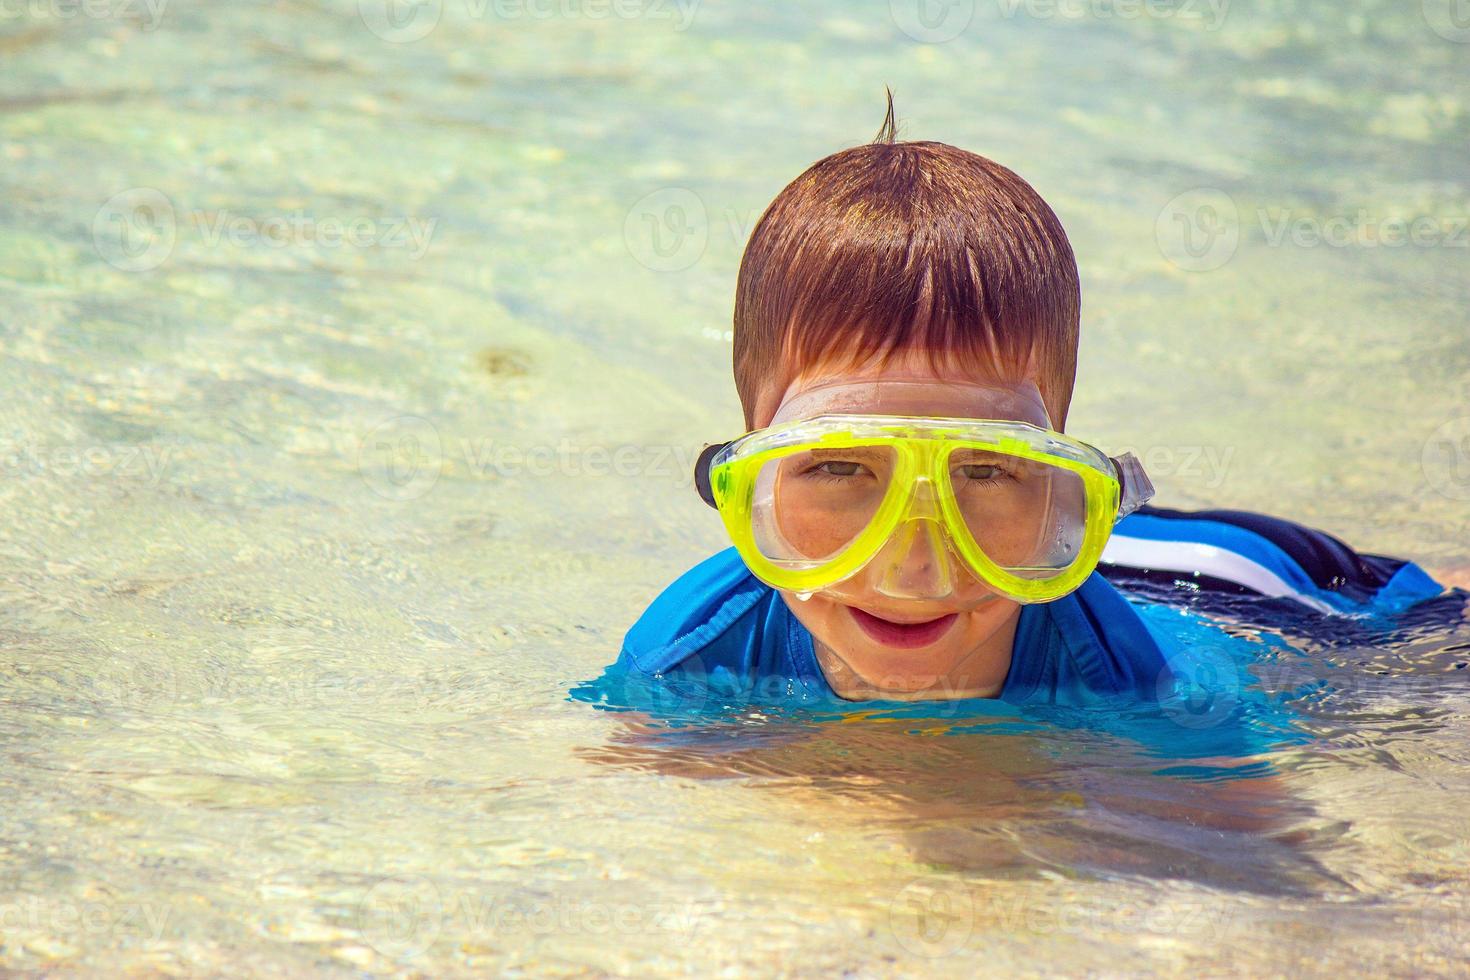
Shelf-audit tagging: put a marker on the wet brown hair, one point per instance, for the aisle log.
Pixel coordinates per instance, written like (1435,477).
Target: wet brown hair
(898,246)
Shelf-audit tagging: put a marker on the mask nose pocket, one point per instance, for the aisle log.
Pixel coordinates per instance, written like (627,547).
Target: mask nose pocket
(915,562)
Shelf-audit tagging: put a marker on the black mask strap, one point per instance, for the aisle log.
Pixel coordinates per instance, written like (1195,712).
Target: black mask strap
(701,472)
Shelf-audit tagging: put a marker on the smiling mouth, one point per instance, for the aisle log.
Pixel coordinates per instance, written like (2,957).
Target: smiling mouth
(904,636)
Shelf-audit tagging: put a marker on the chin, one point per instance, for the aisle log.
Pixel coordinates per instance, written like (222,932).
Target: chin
(916,652)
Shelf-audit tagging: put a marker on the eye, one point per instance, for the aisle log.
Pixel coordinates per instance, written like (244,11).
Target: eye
(981,472)
(838,467)
(978,467)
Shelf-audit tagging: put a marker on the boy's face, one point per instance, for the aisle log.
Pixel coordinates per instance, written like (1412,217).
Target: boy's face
(872,644)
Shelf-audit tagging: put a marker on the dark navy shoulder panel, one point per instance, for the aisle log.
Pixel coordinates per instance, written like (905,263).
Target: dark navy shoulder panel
(1326,560)
(1229,550)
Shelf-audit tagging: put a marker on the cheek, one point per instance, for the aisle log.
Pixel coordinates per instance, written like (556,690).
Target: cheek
(982,621)
(822,616)
(1006,527)
(819,520)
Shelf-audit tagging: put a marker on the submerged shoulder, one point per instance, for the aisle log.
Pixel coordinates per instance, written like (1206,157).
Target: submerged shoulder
(693,615)
(1090,643)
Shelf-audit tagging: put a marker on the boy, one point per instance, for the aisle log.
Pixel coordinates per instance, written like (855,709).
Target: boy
(910,520)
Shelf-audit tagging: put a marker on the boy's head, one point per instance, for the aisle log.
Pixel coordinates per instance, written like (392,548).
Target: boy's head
(894,247)
(911,260)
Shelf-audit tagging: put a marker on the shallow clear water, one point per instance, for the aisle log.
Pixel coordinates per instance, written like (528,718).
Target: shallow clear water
(352,364)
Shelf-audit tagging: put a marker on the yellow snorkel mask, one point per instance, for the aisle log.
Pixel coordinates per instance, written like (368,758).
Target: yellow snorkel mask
(912,506)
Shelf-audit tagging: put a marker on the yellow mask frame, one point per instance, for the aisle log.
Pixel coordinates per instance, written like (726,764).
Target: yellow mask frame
(922,447)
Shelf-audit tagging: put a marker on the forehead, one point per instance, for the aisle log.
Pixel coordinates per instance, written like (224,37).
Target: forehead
(912,385)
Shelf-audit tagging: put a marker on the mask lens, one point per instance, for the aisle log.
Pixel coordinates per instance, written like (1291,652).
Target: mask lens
(1028,517)
(811,505)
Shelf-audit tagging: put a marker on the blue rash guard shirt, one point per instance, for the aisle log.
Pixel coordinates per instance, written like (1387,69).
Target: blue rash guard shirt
(720,623)
(719,632)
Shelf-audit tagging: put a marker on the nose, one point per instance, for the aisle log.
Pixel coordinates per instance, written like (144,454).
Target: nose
(915,562)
